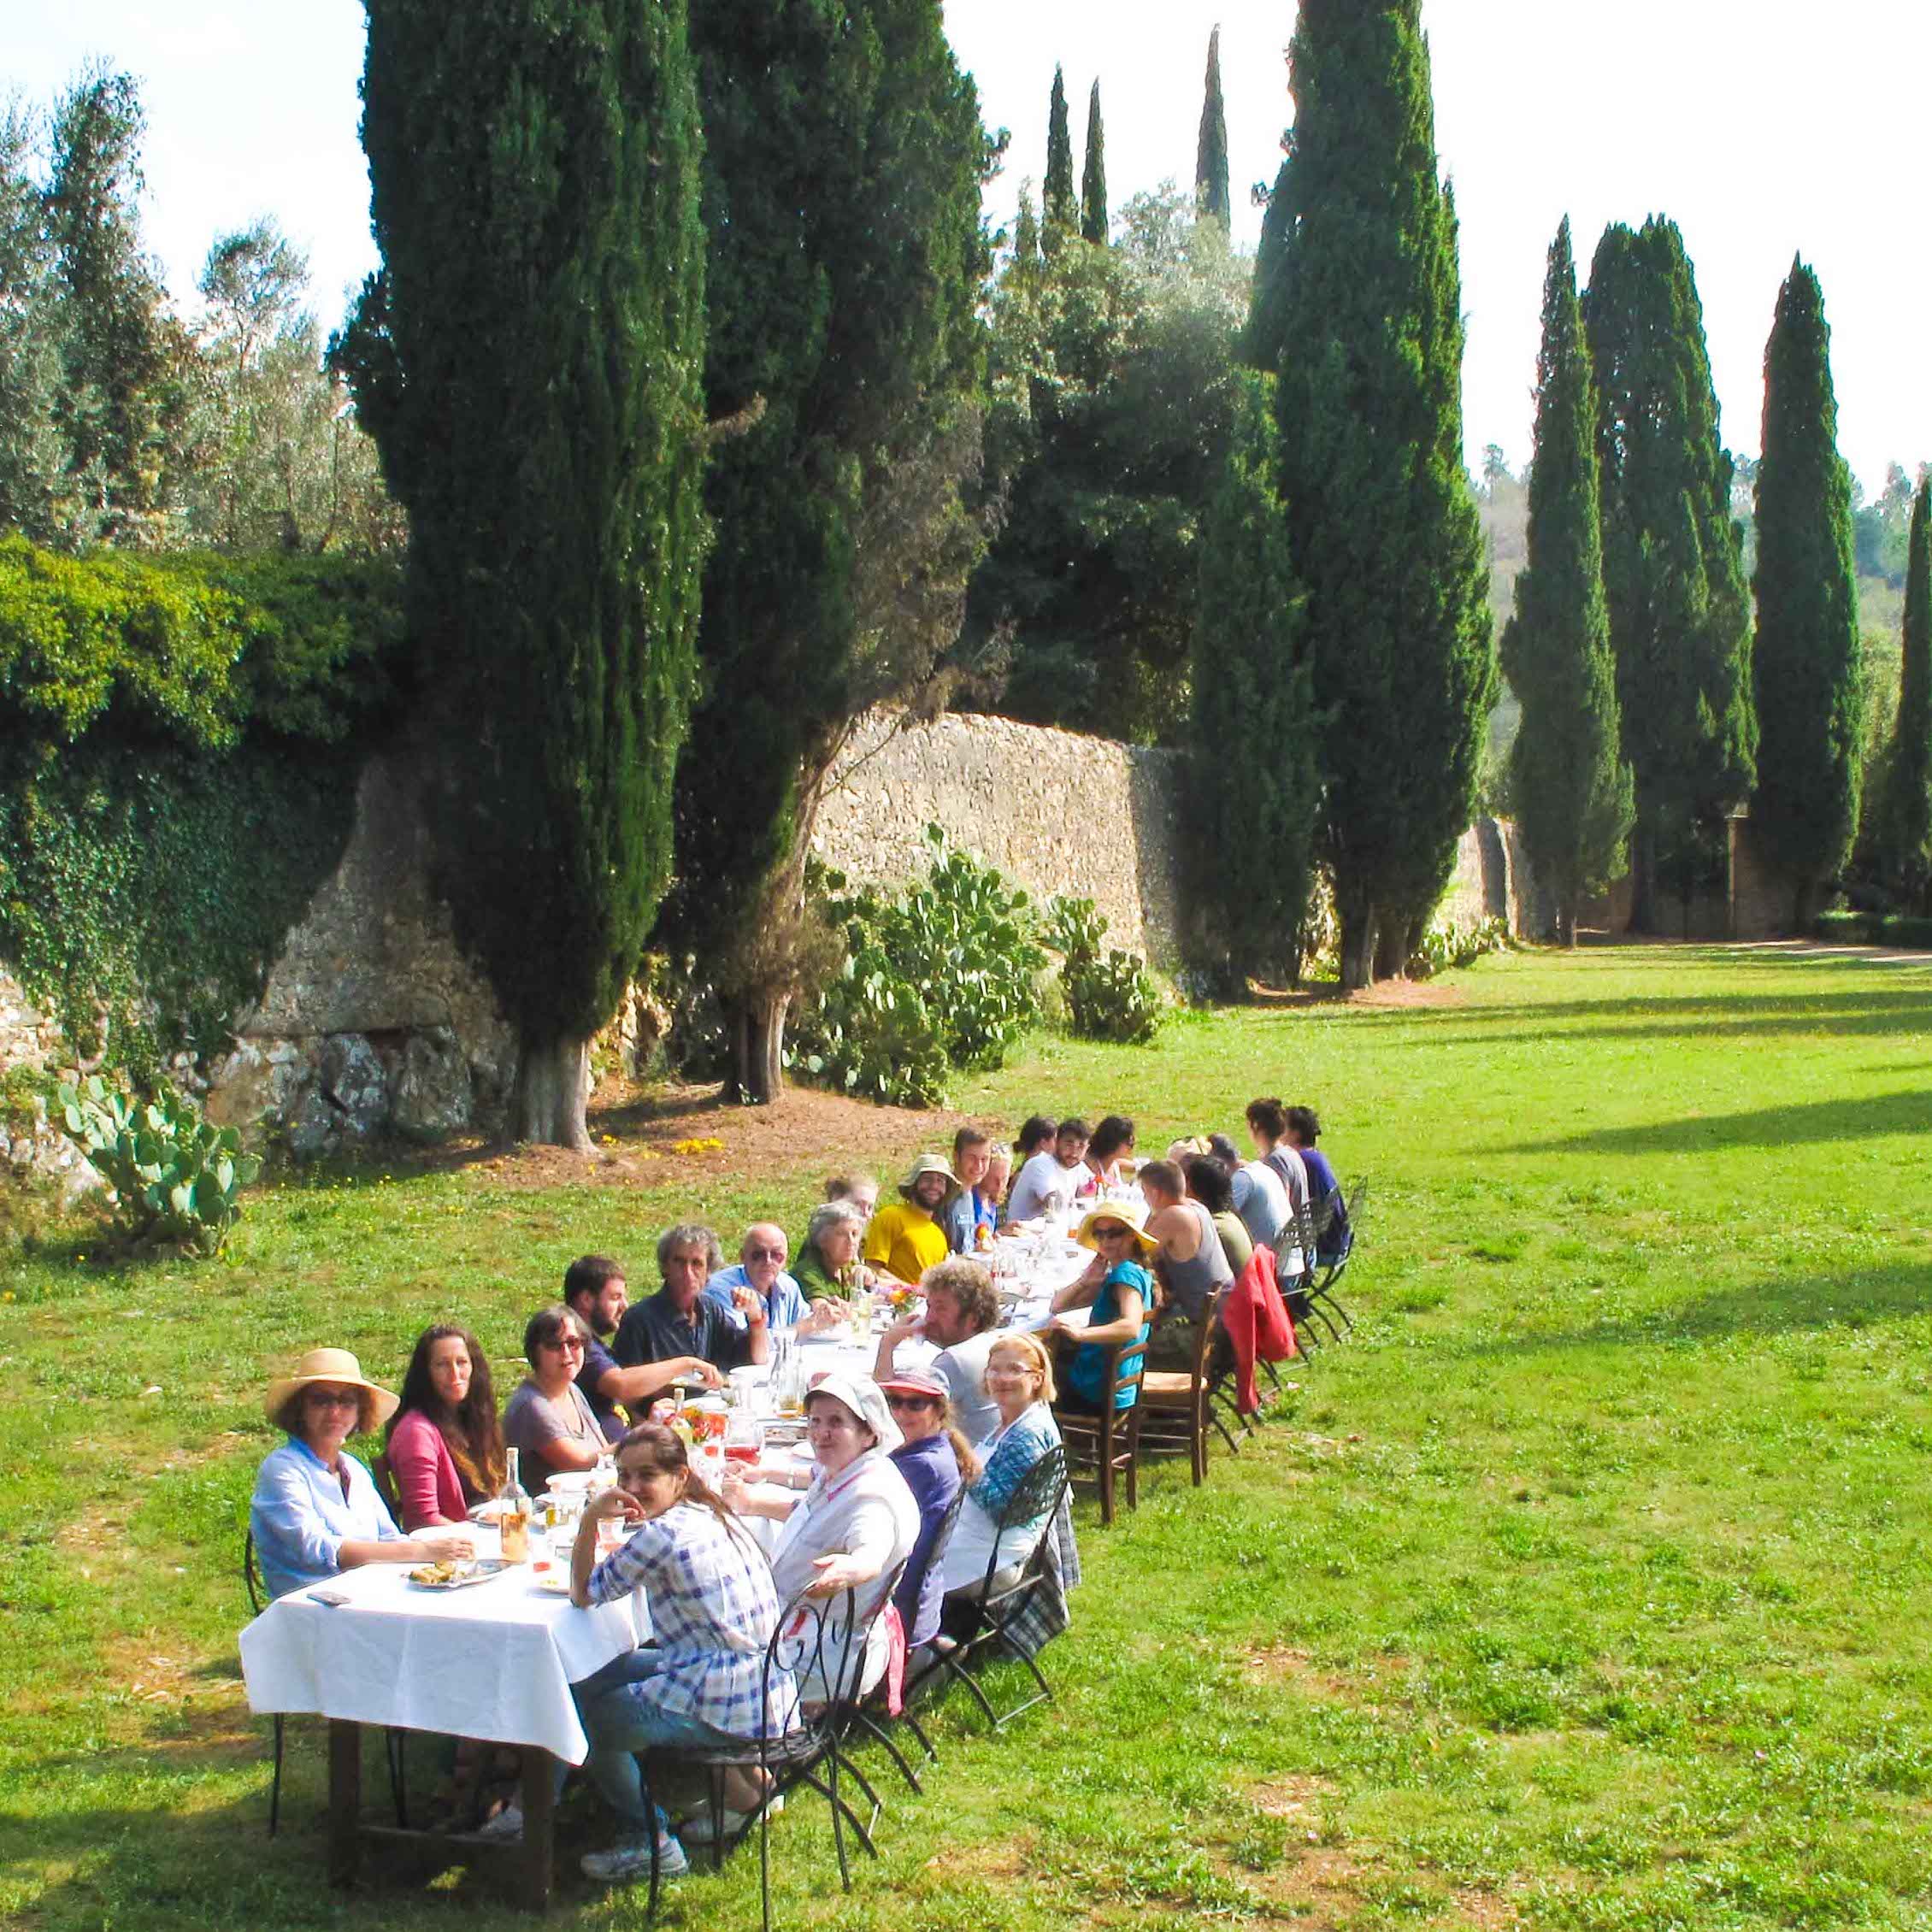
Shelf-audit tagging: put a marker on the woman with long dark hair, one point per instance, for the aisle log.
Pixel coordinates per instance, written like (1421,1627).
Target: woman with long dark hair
(444,1446)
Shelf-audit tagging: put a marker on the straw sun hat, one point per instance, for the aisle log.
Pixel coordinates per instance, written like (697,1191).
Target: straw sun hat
(1130,1215)
(929,1164)
(334,1365)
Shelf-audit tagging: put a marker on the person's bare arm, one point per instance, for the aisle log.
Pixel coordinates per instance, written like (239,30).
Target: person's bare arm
(649,1379)
(425,1545)
(1127,1328)
(904,1329)
(565,1452)
(1079,1292)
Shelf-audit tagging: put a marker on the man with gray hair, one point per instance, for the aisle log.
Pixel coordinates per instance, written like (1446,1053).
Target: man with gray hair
(680,1320)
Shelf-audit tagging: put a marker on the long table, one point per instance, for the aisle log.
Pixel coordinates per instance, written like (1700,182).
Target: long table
(494,1662)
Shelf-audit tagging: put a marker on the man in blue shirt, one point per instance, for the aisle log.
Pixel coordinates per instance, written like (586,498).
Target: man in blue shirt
(760,1272)
(595,1291)
(680,1320)
(1304,1129)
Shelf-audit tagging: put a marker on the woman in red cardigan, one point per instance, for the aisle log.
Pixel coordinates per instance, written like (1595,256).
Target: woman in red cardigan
(444,1446)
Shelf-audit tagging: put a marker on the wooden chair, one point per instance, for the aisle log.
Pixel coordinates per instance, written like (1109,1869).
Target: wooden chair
(1108,1446)
(1177,1412)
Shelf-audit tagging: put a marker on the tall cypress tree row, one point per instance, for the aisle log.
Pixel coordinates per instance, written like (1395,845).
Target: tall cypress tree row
(1093,176)
(1211,197)
(1573,791)
(1253,788)
(1059,212)
(1806,666)
(843,154)
(529,359)
(1906,832)
(1673,571)
(1382,525)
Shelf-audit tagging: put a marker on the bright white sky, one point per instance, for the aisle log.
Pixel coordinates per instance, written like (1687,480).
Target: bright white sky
(1761,126)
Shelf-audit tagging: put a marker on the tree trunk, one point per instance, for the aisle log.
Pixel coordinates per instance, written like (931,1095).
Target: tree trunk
(1357,947)
(1392,949)
(1804,908)
(553,1088)
(1566,926)
(758,1046)
(1643,879)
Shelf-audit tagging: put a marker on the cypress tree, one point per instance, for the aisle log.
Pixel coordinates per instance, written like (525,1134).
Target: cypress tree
(1265,333)
(1026,238)
(1060,215)
(1673,569)
(1212,198)
(1382,525)
(1253,789)
(1573,792)
(529,359)
(1093,176)
(845,352)
(1807,666)
(1906,832)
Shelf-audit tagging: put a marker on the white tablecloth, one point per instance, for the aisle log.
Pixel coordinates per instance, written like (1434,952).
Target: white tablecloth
(494,1661)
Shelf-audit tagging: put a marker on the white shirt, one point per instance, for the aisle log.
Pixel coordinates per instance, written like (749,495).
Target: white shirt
(1043,1186)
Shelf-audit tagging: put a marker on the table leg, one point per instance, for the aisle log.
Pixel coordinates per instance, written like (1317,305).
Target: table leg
(345,1800)
(539,1808)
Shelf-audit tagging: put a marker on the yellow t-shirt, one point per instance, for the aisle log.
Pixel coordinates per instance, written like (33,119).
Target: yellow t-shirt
(904,1240)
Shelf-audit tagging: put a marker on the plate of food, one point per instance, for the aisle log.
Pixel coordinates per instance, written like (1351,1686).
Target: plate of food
(556,1579)
(450,1575)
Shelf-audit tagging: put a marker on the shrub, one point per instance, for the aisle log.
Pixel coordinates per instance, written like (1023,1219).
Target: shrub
(1844,928)
(936,977)
(1449,943)
(1110,994)
(175,1178)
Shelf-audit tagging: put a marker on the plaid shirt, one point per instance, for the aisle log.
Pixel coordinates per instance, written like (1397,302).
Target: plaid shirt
(712,1610)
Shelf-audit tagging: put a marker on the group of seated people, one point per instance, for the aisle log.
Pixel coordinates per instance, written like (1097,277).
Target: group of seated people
(889,1453)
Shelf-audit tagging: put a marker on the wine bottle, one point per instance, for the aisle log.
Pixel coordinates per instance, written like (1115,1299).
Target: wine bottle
(514,1522)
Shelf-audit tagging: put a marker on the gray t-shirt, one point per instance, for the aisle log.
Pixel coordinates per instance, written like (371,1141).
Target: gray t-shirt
(964,1367)
(531,1419)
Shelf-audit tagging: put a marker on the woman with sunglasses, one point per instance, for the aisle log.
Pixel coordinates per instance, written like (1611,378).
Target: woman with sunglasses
(315,1511)
(1118,1291)
(549,1418)
(935,1459)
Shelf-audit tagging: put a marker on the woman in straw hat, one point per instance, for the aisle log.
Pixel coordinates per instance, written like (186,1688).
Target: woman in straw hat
(906,1238)
(1118,1289)
(315,1511)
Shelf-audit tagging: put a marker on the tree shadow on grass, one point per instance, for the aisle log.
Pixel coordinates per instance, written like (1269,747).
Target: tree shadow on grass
(1857,1299)
(1880,1012)
(1804,1122)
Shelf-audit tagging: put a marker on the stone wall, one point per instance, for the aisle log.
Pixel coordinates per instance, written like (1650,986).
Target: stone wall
(371,1018)
(1056,812)
(35,1149)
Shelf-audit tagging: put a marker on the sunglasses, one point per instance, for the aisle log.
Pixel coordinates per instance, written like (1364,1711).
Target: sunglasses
(335,1398)
(765,1254)
(1112,1231)
(896,1401)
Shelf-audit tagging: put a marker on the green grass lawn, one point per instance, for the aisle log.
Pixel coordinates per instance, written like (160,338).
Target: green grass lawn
(1590,1586)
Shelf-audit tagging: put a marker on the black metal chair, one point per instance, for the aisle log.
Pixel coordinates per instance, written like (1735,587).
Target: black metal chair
(1334,1264)
(1107,1444)
(864,1718)
(393,1738)
(821,1643)
(994,1608)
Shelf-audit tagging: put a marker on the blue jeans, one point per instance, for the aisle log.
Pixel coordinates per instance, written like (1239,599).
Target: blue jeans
(622,1716)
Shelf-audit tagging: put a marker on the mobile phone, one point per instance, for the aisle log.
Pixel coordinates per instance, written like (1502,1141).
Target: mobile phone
(334,1598)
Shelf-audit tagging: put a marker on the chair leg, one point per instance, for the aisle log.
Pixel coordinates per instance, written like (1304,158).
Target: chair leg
(877,1732)
(276,1788)
(1105,1471)
(1133,1459)
(395,1743)
(918,1731)
(838,1817)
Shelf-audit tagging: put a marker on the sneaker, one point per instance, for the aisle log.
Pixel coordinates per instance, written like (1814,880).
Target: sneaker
(630,1859)
(697,1829)
(505,1827)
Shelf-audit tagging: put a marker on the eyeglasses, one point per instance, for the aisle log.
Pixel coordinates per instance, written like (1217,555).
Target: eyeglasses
(571,1345)
(765,1254)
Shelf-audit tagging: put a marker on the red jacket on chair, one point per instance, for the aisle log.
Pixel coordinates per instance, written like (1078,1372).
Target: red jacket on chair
(1258,1325)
